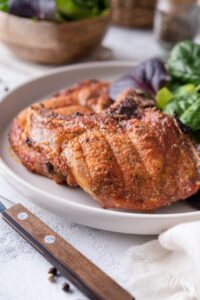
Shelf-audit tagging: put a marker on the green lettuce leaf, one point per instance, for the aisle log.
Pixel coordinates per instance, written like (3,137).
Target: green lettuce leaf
(191,116)
(163,97)
(187,109)
(4,5)
(184,62)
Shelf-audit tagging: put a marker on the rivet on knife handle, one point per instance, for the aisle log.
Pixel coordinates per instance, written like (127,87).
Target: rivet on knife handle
(71,263)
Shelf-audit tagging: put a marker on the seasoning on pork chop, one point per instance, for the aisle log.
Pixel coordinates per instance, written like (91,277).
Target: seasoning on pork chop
(85,98)
(129,156)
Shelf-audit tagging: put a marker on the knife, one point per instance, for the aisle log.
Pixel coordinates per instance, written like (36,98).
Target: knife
(87,277)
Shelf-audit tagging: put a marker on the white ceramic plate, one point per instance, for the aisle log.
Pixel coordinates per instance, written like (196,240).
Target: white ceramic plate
(74,204)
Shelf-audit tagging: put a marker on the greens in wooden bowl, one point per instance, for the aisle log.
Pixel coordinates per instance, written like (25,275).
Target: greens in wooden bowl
(55,10)
(53,32)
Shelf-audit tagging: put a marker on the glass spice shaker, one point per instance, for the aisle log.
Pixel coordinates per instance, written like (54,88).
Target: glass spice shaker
(175,21)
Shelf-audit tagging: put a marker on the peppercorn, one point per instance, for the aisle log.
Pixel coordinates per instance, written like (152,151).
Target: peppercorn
(66,287)
(51,277)
(53,271)
(78,114)
(50,167)
(28,142)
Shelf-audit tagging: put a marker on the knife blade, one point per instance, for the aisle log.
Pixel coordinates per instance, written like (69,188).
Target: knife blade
(85,275)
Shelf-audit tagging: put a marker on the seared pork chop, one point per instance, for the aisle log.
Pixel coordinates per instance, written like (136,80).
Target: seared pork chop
(85,98)
(130,156)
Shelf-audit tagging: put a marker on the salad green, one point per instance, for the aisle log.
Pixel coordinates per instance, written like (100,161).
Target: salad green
(80,9)
(164,96)
(4,5)
(55,10)
(181,95)
(184,62)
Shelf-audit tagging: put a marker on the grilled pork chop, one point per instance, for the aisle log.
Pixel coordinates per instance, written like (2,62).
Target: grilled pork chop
(85,98)
(129,156)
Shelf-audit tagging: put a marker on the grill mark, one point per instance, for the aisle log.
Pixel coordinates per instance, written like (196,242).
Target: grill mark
(113,154)
(162,145)
(88,190)
(85,160)
(156,190)
(113,188)
(180,138)
(157,134)
(70,168)
(127,187)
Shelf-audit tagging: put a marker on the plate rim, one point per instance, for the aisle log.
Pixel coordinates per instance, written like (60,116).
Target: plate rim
(83,207)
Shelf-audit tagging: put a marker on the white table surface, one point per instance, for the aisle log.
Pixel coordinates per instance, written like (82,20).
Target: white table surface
(23,272)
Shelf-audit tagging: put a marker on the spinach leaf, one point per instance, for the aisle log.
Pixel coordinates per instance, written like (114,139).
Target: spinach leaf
(4,5)
(187,109)
(184,62)
(184,89)
(191,116)
(178,98)
(176,93)
(80,9)
(179,104)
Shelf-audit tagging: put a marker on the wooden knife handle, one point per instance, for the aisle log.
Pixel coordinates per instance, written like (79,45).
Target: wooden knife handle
(71,263)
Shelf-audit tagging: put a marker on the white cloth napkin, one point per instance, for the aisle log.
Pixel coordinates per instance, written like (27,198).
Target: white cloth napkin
(167,268)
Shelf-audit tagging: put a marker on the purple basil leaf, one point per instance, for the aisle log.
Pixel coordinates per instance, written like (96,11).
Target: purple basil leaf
(41,9)
(149,77)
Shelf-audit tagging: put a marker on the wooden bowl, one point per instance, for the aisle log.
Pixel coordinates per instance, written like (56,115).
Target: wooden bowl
(50,42)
